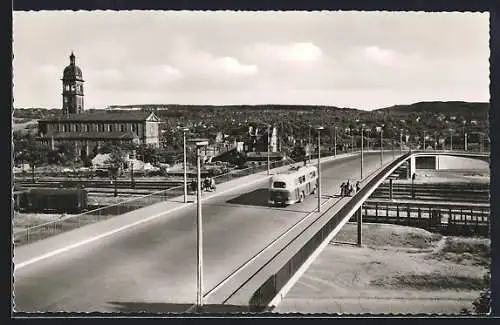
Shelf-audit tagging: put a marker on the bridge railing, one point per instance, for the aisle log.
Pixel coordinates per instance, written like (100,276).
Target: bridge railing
(117,205)
(272,286)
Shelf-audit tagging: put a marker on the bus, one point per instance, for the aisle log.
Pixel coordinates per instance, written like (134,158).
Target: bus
(293,185)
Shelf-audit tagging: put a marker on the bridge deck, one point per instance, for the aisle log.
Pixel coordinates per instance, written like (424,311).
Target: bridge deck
(155,262)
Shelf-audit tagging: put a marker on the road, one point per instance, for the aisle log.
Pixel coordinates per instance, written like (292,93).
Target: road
(152,267)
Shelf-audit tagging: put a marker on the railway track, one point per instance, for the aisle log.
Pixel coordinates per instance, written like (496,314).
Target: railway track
(94,184)
(456,192)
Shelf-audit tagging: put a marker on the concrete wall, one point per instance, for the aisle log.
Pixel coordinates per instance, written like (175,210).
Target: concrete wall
(450,162)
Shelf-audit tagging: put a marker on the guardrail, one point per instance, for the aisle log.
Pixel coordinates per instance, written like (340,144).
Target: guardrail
(450,218)
(272,286)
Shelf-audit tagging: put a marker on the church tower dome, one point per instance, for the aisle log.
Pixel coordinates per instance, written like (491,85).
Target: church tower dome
(72,88)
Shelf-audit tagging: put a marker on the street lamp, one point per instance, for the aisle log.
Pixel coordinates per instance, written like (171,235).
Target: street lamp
(465,135)
(184,130)
(309,143)
(335,142)
(381,145)
(352,140)
(319,128)
(200,143)
(451,139)
(362,129)
(401,140)
(268,159)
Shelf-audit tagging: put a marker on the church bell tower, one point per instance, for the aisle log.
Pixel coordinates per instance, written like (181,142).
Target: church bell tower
(72,88)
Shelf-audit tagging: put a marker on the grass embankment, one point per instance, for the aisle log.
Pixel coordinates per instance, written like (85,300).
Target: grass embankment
(398,270)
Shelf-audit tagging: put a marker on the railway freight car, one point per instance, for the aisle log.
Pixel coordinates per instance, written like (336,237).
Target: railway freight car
(59,200)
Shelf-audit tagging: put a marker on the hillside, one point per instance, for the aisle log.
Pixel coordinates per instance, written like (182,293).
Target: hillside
(465,109)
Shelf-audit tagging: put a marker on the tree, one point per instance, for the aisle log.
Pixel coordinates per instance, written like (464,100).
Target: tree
(116,161)
(237,158)
(148,153)
(36,155)
(482,304)
(66,154)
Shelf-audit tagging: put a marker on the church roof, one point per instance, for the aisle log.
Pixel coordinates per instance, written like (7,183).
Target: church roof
(92,135)
(72,71)
(107,116)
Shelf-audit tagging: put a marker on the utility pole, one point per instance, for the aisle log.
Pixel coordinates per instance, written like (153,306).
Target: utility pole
(335,142)
(424,140)
(268,159)
(319,128)
(381,147)
(361,153)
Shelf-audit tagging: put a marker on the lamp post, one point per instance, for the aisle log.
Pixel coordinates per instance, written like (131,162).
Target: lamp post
(362,127)
(465,135)
(268,159)
(184,130)
(319,128)
(309,143)
(200,143)
(352,141)
(335,142)
(381,145)
(401,140)
(451,140)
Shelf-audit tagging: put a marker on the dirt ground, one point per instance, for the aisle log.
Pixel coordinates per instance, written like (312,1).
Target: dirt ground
(399,270)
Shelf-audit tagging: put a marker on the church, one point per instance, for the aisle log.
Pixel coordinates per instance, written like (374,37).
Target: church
(89,130)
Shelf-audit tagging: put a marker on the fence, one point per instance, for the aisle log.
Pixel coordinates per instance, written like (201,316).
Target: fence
(450,218)
(270,288)
(458,192)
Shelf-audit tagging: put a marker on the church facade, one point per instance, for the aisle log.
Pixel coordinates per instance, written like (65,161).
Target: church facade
(88,130)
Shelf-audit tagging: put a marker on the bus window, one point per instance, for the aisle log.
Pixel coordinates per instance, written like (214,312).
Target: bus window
(279,185)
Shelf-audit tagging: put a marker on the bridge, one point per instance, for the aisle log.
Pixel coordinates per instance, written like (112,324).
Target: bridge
(145,260)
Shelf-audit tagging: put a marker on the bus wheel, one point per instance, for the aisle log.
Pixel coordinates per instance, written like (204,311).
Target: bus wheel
(301,197)
(313,190)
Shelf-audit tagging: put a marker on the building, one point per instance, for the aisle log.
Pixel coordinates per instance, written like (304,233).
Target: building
(72,88)
(88,130)
(257,140)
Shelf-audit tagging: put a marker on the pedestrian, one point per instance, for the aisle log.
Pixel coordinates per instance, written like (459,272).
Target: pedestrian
(350,190)
(342,189)
(347,187)
(357,187)
(212,183)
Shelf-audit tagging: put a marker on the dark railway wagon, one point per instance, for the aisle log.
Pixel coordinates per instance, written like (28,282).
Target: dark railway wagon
(59,200)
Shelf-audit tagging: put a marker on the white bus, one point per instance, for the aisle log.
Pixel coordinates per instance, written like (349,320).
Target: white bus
(293,185)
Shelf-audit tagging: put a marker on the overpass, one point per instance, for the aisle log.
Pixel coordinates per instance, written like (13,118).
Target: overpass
(252,251)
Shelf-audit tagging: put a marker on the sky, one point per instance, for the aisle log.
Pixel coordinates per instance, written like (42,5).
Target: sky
(363,60)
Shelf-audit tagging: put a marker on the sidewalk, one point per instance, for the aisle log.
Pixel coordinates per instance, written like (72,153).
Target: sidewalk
(118,223)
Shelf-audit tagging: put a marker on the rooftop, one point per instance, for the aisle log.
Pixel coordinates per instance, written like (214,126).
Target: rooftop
(92,135)
(106,116)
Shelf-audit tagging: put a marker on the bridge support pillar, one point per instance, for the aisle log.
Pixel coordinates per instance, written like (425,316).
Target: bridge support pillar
(437,162)
(412,165)
(390,189)
(359,218)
